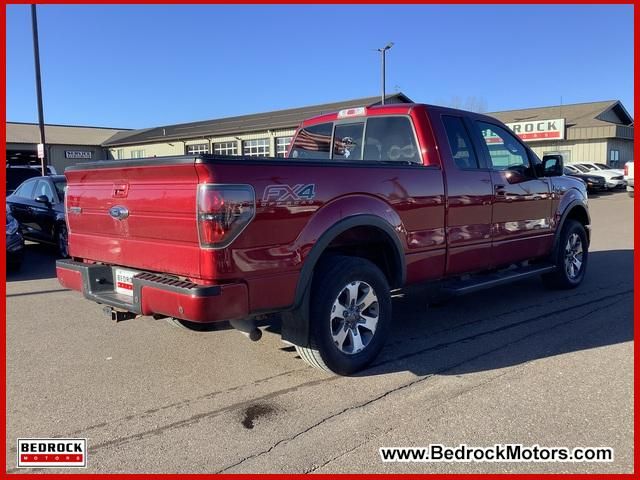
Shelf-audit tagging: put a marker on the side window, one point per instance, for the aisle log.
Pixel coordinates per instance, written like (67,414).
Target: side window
(313,142)
(390,138)
(25,190)
(505,152)
(460,144)
(43,188)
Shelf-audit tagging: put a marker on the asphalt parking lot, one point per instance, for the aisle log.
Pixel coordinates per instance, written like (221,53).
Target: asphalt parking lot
(517,364)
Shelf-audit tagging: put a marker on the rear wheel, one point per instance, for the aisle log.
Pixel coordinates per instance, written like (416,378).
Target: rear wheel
(350,315)
(570,258)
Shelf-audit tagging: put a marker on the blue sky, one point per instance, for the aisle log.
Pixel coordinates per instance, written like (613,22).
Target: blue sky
(143,65)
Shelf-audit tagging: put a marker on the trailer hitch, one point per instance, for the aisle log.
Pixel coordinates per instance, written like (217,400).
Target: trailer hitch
(118,315)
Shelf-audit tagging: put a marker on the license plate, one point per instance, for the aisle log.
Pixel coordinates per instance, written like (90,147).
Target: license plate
(124,281)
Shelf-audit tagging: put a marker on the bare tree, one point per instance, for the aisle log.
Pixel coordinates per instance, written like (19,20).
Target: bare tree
(472,103)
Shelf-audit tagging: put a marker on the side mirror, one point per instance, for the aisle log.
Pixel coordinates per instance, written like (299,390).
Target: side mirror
(43,199)
(552,166)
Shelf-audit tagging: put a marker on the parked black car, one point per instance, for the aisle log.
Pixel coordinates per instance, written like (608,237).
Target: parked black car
(15,243)
(594,183)
(38,205)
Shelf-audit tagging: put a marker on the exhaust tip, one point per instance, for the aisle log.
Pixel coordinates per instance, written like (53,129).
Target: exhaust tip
(248,327)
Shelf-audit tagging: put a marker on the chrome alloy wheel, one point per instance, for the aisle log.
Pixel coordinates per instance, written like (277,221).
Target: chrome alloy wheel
(354,317)
(573,256)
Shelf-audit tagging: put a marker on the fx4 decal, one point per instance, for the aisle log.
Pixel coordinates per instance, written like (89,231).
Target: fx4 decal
(289,194)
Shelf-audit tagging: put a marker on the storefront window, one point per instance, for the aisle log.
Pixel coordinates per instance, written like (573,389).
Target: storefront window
(225,148)
(256,148)
(197,148)
(282,143)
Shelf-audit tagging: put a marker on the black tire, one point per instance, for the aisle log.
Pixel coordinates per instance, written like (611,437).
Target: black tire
(333,279)
(62,241)
(567,275)
(630,193)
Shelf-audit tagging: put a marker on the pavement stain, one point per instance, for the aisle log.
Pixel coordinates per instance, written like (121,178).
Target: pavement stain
(254,412)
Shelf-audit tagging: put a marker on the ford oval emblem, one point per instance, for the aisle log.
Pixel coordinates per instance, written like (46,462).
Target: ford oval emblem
(118,212)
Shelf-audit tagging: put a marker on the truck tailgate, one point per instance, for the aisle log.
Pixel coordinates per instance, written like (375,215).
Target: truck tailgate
(140,214)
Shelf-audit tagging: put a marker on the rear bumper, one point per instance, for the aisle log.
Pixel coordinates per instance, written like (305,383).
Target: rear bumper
(156,294)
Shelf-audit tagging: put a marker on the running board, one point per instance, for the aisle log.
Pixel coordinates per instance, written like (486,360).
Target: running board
(482,282)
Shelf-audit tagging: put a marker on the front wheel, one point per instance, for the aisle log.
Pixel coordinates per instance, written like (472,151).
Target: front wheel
(350,315)
(570,257)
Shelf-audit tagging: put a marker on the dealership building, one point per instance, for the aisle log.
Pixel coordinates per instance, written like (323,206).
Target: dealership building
(586,132)
(583,132)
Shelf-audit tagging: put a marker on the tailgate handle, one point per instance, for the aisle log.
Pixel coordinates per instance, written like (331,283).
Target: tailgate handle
(120,190)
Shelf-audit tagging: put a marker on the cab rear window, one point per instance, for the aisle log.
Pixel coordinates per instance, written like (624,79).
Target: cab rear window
(383,138)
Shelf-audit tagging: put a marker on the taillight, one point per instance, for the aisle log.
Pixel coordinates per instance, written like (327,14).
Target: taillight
(223,212)
(626,170)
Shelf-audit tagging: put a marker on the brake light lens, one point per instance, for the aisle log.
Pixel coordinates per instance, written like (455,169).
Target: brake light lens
(224,211)
(352,112)
(626,170)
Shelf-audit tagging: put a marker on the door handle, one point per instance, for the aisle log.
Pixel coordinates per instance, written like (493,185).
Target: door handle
(500,190)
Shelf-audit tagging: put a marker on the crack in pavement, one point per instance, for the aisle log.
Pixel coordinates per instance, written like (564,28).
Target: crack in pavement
(444,401)
(423,379)
(206,396)
(206,415)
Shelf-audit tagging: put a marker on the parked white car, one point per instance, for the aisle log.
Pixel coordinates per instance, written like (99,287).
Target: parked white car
(628,176)
(613,178)
(602,166)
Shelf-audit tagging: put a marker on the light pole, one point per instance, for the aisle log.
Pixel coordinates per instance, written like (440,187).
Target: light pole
(383,51)
(36,57)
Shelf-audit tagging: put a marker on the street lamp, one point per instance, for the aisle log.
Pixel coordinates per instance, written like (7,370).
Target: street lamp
(383,51)
(36,57)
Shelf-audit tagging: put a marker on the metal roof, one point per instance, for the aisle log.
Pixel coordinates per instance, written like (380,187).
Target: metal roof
(18,132)
(256,122)
(592,114)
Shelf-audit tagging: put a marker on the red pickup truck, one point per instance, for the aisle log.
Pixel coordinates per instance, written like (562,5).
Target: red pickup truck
(369,200)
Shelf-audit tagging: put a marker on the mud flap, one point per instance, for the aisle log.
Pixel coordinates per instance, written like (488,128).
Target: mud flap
(295,323)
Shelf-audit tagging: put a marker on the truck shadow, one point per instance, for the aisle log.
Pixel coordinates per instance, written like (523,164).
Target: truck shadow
(512,324)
